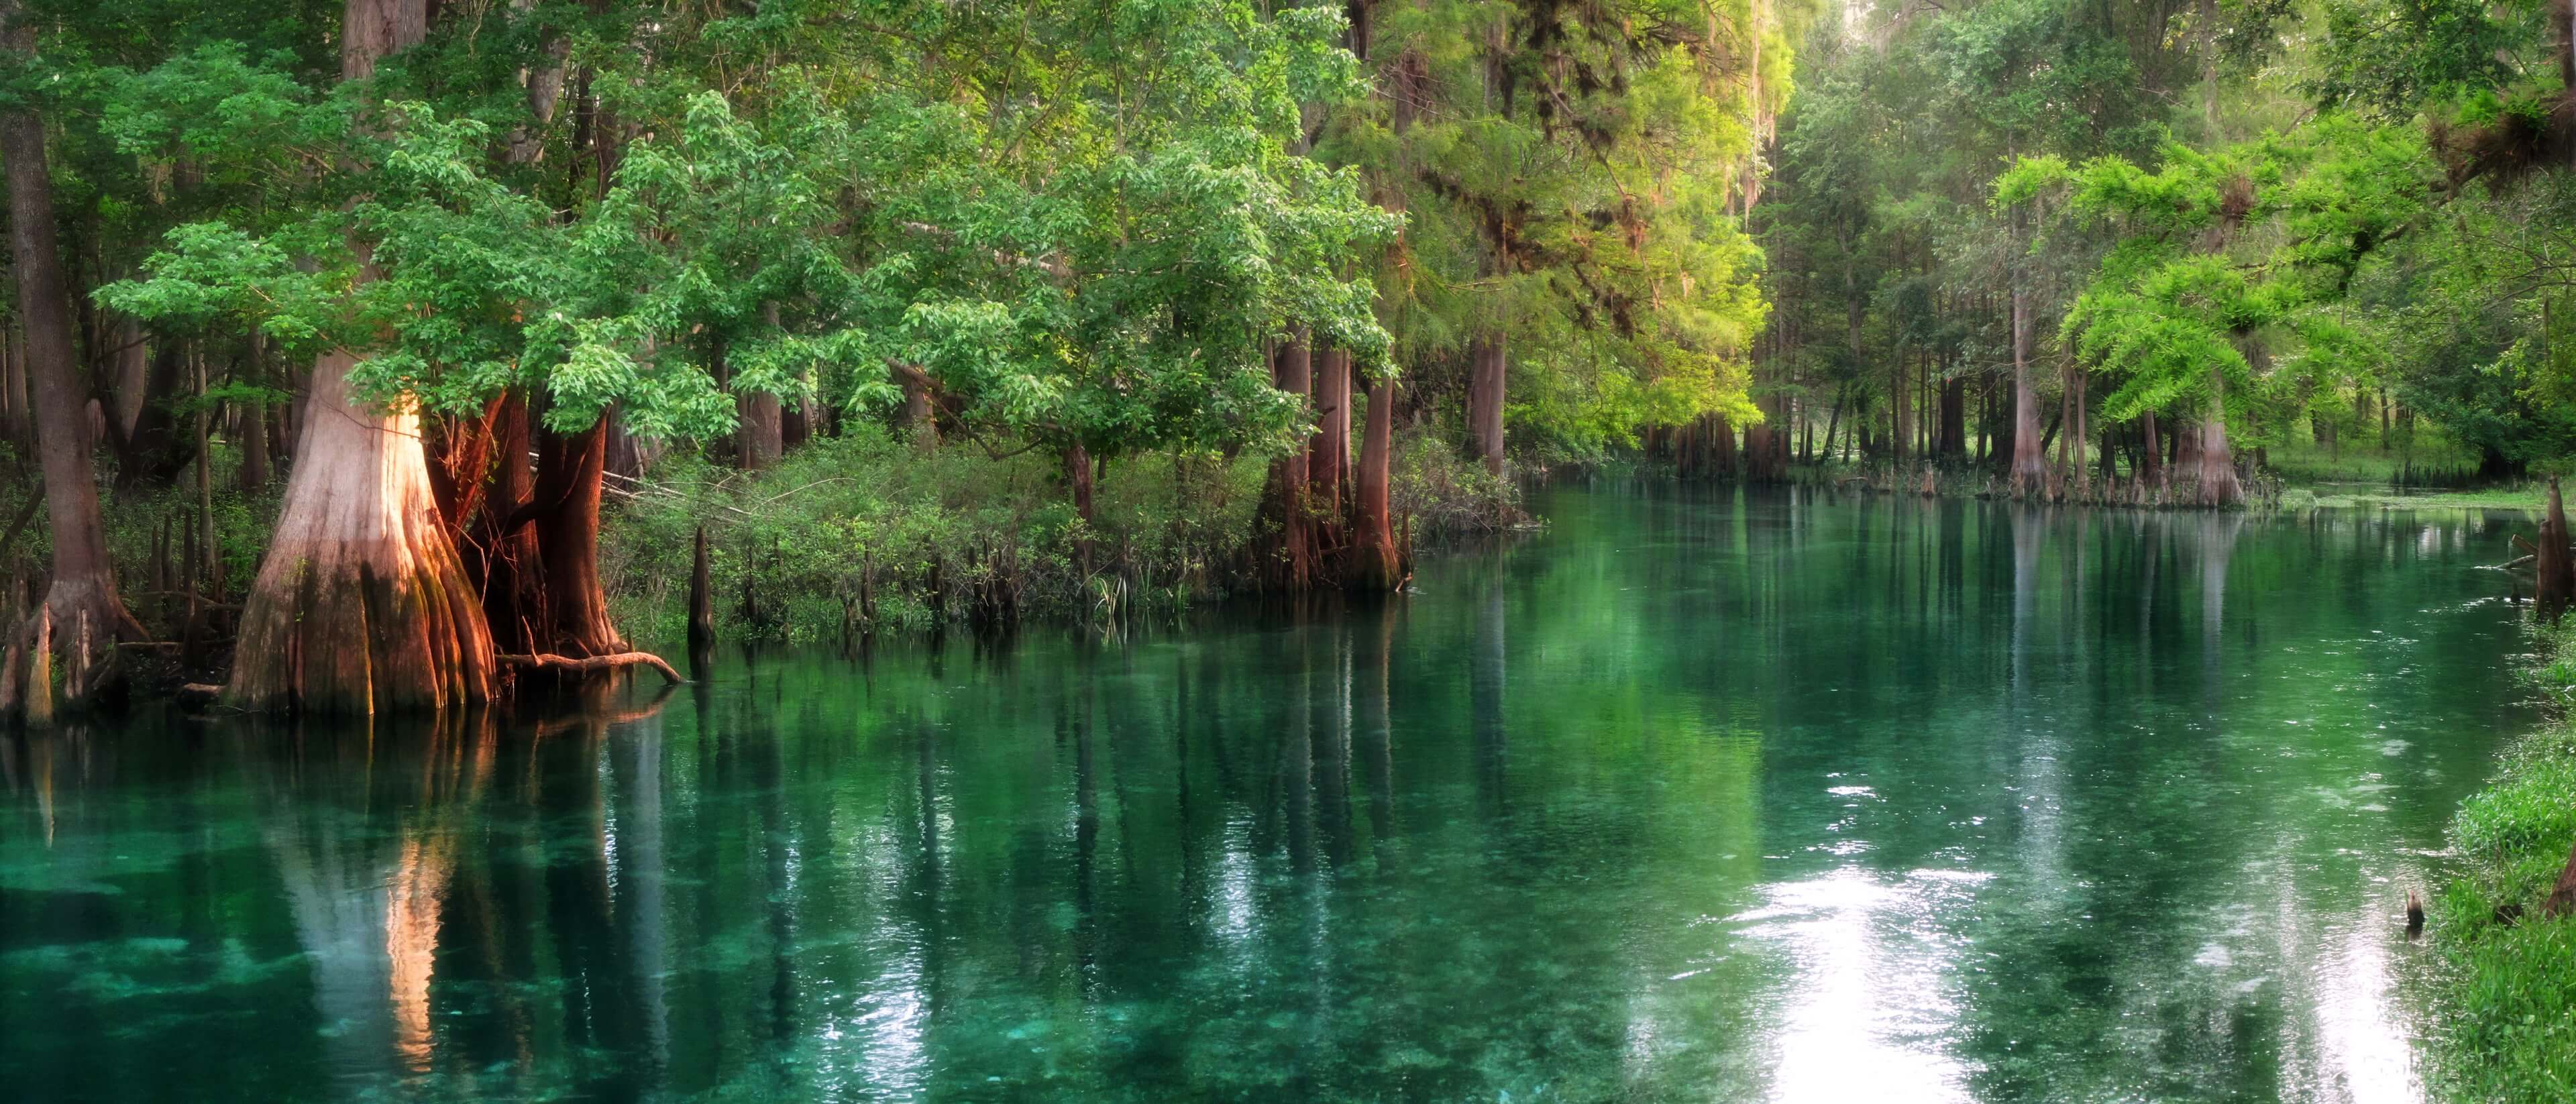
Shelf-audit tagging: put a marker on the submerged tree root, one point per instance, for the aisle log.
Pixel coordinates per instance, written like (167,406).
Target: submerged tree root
(551,662)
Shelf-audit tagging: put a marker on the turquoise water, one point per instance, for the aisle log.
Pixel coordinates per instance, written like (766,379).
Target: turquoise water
(1694,795)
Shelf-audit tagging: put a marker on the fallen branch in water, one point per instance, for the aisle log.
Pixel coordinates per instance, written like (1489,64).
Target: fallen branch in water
(549,660)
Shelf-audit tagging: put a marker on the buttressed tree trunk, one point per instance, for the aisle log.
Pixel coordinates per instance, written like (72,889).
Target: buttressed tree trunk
(84,584)
(1488,361)
(362,604)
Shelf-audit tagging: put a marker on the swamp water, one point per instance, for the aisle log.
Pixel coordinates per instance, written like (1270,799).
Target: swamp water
(1694,795)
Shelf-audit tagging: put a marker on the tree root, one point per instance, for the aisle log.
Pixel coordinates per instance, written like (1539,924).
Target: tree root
(551,661)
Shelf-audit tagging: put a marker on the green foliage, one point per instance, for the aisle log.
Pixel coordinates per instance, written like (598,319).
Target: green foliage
(1573,189)
(2224,290)
(1100,267)
(2508,1001)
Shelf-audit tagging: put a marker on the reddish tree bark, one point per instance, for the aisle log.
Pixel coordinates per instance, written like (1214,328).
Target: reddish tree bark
(1488,360)
(1376,562)
(1329,453)
(567,537)
(1283,499)
(1078,479)
(760,439)
(503,557)
(249,430)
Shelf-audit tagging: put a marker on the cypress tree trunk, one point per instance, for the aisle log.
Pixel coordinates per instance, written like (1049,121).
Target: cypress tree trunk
(1376,562)
(1330,453)
(2029,467)
(251,428)
(362,604)
(795,426)
(1077,477)
(567,537)
(1954,420)
(1284,498)
(505,559)
(132,368)
(152,450)
(1488,358)
(916,407)
(2555,572)
(2218,485)
(761,438)
(2151,468)
(702,608)
(84,583)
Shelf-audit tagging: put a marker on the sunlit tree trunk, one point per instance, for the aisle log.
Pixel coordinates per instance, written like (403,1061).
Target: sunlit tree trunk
(362,604)
(83,591)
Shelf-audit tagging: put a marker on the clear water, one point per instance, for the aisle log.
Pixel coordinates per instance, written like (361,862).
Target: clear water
(1692,796)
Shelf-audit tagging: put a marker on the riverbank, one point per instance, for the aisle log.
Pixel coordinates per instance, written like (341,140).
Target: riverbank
(2264,489)
(865,534)
(2506,1000)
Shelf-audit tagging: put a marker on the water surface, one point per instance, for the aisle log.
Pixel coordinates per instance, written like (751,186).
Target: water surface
(1696,795)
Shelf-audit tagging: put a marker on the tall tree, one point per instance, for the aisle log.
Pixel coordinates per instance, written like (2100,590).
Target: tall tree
(362,603)
(82,598)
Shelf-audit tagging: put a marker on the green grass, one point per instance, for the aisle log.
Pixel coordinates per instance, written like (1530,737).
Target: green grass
(2304,462)
(2524,496)
(2507,999)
